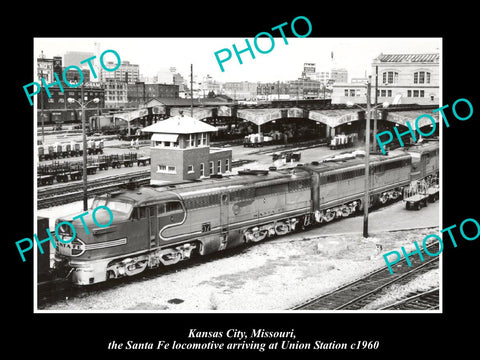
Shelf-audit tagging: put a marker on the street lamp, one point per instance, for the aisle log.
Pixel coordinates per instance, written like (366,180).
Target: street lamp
(368,111)
(83,105)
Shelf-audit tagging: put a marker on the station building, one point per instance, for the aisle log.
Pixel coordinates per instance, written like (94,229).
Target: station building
(180,151)
(404,78)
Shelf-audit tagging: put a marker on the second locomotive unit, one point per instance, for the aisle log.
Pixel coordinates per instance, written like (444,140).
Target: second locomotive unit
(154,226)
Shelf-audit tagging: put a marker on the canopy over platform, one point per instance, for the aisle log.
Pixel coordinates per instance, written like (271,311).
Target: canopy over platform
(336,117)
(131,115)
(180,125)
(401,117)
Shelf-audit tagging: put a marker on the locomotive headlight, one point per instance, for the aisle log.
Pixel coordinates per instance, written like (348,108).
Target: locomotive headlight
(65,229)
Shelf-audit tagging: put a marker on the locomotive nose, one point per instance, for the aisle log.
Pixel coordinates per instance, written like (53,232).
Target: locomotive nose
(100,217)
(81,226)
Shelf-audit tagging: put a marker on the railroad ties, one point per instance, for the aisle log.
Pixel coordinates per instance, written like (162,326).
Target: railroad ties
(359,293)
(424,300)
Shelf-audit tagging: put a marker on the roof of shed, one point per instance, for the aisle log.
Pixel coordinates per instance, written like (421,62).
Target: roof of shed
(400,58)
(180,125)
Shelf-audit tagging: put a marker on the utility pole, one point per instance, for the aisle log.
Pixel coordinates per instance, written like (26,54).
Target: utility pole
(367,162)
(43,122)
(84,138)
(375,113)
(191,90)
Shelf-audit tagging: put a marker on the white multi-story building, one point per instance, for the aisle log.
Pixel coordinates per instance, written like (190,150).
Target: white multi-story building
(165,76)
(44,69)
(76,57)
(240,90)
(402,78)
(115,93)
(127,72)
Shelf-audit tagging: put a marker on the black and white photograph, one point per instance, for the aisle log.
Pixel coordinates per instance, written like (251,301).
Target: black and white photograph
(258,187)
(215,193)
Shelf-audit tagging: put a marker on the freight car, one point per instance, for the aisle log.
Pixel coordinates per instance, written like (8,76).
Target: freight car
(72,149)
(155,226)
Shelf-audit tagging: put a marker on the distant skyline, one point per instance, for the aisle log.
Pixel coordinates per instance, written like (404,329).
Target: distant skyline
(284,62)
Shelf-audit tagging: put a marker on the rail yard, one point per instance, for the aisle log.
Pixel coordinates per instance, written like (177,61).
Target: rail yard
(281,273)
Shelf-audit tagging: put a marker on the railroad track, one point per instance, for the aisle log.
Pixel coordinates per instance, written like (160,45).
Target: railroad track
(64,193)
(426,300)
(357,294)
(59,289)
(290,147)
(67,193)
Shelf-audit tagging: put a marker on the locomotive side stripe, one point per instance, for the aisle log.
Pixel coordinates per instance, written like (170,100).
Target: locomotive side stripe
(236,225)
(106,244)
(339,201)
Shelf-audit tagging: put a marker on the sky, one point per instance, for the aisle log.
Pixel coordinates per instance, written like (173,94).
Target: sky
(283,62)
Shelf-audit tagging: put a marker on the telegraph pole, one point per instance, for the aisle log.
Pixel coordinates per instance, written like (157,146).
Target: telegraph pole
(367,162)
(375,113)
(84,167)
(191,90)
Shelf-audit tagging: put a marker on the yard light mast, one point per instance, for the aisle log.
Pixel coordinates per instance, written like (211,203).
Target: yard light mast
(368,111)
(83,104)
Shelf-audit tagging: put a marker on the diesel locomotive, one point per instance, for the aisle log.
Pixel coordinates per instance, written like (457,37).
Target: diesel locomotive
(157,226)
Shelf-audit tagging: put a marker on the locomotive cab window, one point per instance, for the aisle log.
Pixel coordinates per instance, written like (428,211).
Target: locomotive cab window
(139,213)
(173,206)
(119,206)
(160,209)
(114,205)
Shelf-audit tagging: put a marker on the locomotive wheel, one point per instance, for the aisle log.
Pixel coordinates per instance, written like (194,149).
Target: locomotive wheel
(329,216)
(110,275)
(346,211)
(281,228)
(383,199)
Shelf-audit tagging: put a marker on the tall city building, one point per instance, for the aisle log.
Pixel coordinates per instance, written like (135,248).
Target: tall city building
(127,72)
(115,93)
(308,70)
(73,77)
(44,68)
(57,66)
(76,57)
(166,75)
(140,92)
(339,75)
(96,62)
